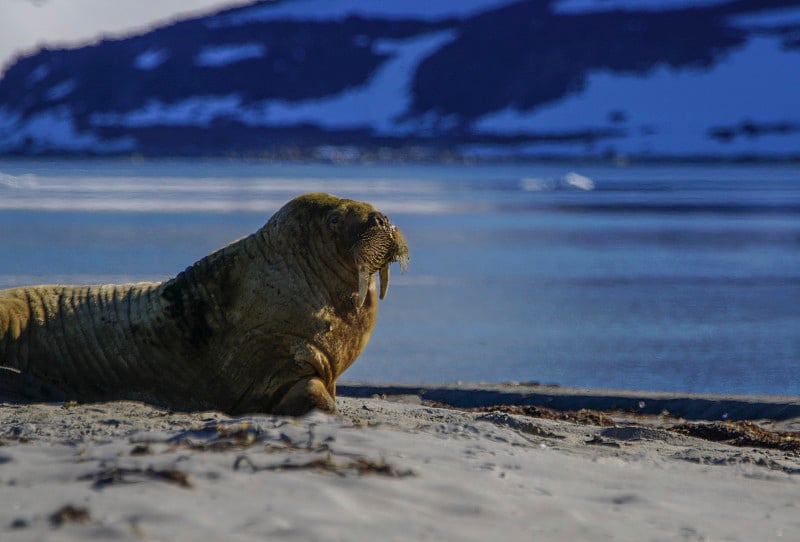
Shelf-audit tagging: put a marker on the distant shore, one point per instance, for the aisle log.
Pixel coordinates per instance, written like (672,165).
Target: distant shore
(400,156)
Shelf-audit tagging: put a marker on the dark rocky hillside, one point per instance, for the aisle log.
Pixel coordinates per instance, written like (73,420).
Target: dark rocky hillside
(484,77)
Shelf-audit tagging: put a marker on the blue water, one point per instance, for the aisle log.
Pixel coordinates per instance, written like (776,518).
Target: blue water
(677,278)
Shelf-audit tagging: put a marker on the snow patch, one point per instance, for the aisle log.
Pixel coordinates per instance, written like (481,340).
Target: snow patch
(377,105)
(151,59)
(671,111)
(41,71)
(61,90)
(9,121)
(772,18)
(194,111)
(571,7)
(215,56)
(339,10)
(54,129)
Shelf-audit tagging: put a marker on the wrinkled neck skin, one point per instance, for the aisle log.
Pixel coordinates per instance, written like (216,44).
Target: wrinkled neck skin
(294,312)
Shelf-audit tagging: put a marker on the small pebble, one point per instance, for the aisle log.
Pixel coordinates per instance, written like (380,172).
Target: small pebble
(20,523)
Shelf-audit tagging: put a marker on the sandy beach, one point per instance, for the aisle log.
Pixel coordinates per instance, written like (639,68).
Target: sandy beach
(409,463)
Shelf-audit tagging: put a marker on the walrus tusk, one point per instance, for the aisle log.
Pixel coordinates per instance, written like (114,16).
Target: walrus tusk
(363,285)
(384,277)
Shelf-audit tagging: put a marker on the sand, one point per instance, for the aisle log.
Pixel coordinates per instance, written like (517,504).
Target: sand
(392,467)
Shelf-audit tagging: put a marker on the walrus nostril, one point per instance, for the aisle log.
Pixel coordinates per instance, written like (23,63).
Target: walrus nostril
(377,219)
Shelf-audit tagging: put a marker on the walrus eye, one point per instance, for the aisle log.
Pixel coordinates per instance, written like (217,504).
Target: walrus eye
(334,219)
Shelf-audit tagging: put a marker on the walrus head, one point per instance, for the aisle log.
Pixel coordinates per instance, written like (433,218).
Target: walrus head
(364,239)
(374,244)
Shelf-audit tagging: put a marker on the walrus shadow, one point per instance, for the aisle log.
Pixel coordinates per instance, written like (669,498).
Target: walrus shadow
(20,387)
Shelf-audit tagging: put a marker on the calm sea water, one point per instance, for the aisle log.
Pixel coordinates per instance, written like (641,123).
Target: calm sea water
(678,278)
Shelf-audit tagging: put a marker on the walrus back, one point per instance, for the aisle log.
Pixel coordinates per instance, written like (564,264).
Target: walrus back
(79,339)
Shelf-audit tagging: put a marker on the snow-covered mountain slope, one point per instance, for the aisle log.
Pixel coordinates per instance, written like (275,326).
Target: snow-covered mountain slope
(654,78)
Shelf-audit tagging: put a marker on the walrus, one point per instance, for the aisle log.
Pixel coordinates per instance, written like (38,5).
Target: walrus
(266,324)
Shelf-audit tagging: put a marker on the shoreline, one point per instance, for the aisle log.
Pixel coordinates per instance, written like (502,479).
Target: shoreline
(396,465)
(690,406)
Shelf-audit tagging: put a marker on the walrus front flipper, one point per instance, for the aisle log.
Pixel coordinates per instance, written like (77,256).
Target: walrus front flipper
(308,394)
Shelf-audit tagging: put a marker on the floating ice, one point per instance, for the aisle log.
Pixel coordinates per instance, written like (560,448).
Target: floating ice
(576,180)
(535,184)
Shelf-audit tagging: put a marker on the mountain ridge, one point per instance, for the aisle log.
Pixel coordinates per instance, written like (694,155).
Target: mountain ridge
(480,78)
